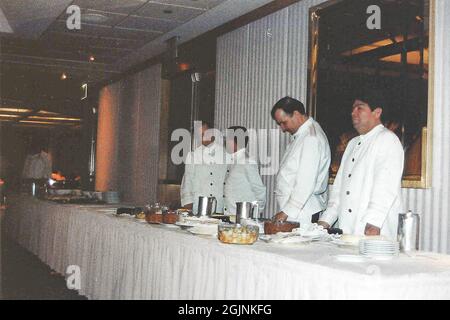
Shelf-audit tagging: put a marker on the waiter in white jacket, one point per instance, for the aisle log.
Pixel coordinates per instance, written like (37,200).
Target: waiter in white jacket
(38,166)
(242,180)
(366,198)
(204,174)
(302,180)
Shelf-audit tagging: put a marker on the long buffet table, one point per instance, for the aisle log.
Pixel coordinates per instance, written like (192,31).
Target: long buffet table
(121,258)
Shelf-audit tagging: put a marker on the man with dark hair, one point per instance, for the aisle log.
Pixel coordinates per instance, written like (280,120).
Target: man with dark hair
(374,98)
(242,181)
(366,196)
(239,137)
(302,180)
(289,105)
(204,173)
(206,123)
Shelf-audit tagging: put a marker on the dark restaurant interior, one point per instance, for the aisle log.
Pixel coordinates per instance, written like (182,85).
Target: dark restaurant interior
(95,88)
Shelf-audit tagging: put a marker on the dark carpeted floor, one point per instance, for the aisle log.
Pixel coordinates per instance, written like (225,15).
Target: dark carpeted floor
(24,276)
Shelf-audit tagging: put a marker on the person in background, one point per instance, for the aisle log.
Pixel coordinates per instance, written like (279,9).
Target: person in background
(366,198)
(38,165)
(204,174)
(242,181)
(302,180)
(37,169)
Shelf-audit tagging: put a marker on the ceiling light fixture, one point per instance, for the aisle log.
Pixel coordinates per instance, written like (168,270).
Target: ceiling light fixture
(63,76)
(93,18)
(54,118)
(15,110)
(45,122)
(92,58)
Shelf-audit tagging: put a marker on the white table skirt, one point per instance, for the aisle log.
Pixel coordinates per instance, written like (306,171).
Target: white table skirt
(121,258)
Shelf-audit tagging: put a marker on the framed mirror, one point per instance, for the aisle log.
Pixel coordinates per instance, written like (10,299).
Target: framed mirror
(383,44)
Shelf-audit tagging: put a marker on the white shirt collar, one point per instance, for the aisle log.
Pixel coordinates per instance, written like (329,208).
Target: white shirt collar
(371,132)
(238,154)
(302,128)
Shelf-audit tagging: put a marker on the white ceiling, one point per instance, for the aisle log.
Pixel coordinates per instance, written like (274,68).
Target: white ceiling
(132,31)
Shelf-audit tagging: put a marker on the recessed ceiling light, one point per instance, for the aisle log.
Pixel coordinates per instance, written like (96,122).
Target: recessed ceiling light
(92,58)
(63,76)
(93,18)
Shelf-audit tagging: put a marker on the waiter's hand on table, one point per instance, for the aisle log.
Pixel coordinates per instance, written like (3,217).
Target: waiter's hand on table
(323,224)
(188,206)
(280,217)
(371,230)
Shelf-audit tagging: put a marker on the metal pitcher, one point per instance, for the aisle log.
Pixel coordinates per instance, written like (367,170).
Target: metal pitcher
(408,231)
(206,205)
(246,210)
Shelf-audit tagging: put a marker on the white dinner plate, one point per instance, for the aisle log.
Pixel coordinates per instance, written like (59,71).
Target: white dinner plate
(340,243)
(206,234)
(291,241)
(205,230)
(184,225)
(377,248)
(381,257)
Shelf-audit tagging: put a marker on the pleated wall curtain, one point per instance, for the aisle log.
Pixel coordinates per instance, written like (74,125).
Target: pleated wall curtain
(128,136)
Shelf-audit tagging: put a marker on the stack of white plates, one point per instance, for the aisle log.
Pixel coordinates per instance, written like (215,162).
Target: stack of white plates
(111,197)
(378,249)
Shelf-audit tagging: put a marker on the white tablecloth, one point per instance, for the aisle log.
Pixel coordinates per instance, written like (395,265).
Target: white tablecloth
(121,258)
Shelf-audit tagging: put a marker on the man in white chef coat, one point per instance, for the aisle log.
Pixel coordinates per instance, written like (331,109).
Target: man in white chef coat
(242,180)
(302,179)
(205,170)
(38,166)
(365,198)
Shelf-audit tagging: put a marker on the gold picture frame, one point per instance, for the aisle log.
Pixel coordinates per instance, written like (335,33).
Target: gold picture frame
(423,180)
